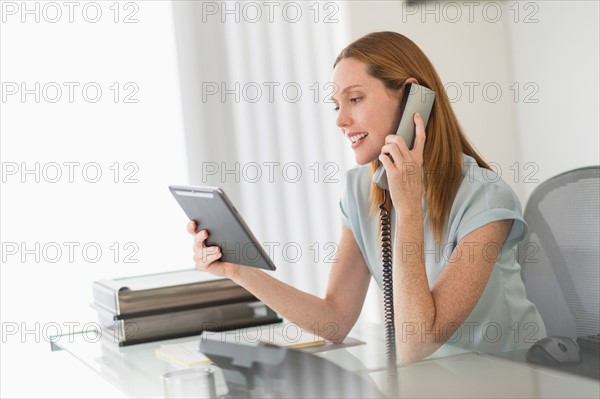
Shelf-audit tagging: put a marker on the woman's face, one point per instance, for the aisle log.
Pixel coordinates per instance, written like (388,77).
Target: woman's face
(367,110)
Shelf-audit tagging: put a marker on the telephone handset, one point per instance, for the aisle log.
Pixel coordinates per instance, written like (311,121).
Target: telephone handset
(416,98)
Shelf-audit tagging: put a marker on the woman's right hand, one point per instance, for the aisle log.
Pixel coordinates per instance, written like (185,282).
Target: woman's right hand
(206,259)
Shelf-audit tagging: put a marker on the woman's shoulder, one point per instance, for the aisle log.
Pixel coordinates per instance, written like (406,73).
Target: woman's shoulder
(355,197)
(481,184)
(358,172)
(357,178)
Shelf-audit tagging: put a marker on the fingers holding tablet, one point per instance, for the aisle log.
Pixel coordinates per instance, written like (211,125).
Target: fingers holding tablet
(191,227)
(203,255)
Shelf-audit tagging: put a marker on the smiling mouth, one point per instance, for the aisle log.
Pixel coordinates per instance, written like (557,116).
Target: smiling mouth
(358,137)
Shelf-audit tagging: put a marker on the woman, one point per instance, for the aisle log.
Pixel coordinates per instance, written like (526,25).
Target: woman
(454,222)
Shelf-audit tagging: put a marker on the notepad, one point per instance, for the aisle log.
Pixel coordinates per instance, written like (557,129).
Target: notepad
(185,354)
(288,335)
(291,336)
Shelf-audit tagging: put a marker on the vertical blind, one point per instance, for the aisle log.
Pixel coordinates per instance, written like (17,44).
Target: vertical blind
(259,123)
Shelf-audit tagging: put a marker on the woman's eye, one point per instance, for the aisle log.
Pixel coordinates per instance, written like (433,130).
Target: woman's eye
(351,100)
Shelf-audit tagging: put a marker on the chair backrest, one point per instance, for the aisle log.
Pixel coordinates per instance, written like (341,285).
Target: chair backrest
(560,256)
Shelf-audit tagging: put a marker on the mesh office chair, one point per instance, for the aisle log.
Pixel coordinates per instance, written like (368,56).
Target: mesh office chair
(560,255)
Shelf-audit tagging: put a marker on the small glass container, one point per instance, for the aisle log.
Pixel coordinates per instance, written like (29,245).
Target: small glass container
(190,383)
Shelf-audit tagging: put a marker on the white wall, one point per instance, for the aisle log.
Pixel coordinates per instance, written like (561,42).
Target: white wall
(558,52)
(133,209)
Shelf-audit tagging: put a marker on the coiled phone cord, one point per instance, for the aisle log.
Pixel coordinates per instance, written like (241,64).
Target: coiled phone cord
(388,297)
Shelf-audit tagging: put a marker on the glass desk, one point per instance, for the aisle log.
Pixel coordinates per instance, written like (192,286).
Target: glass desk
(475,375)
(137,371)
(449,372)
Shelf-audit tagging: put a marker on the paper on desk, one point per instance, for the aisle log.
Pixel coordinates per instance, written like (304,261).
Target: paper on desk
(287,335)
(291,336)
(185,353)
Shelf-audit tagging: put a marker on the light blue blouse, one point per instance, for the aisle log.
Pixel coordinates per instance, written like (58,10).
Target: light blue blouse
(503,319)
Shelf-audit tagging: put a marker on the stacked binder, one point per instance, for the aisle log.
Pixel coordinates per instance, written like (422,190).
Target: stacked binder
(174,304)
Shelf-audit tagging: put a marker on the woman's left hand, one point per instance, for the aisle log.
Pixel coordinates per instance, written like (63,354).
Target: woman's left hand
(405,173)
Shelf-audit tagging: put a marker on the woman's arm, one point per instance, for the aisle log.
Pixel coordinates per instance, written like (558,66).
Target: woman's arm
(331,317)
(427,317)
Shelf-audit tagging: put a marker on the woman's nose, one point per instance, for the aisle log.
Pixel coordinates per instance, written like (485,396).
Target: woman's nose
(343,118)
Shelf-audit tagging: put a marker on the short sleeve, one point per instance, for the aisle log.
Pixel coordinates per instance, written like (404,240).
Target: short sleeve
(487,202)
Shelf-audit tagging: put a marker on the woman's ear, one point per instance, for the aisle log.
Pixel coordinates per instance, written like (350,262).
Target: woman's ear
(407,81)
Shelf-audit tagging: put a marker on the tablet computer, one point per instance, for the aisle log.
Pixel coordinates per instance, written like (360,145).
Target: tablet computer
(212,210)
